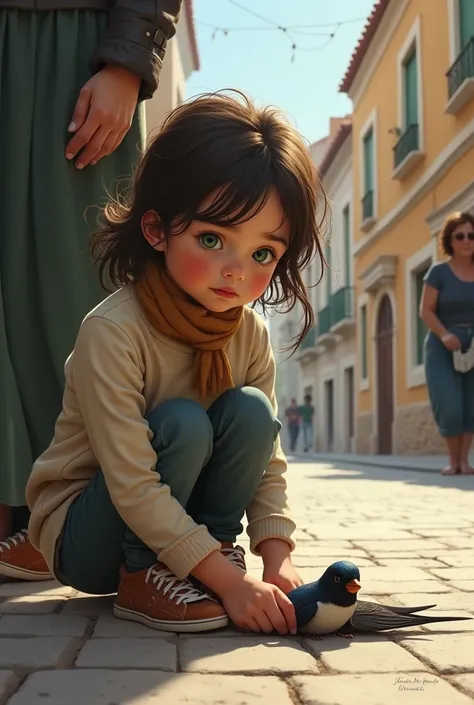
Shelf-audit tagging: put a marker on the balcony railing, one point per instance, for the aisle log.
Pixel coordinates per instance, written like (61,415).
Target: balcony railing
(407,143)
(340,308)
(324,320)
(309,341)
(462,68)
(368,205)
(342,305)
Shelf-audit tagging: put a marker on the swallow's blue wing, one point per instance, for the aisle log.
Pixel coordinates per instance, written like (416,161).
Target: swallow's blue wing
(305,601)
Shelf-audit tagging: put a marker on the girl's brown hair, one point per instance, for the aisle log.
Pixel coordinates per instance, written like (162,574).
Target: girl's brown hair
(211,142)
(452,222)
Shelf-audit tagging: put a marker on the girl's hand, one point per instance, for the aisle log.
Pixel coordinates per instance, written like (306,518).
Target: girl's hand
(277,566)
(284,576)
(451,342)
(256,606)
(103,114)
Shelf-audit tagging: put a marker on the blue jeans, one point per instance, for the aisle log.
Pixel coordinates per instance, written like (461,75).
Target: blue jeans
(212,462)
(307,435)
(293,432)
(451,393)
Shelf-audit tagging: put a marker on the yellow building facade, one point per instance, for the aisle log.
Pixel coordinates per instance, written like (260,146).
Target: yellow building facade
(411,81)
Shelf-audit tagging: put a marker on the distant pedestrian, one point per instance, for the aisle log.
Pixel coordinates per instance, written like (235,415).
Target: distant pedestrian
(307,418)
(447,308)
(293,418)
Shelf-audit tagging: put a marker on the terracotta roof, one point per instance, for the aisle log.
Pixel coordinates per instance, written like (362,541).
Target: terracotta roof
(189,9)
(363,44)
(336,144)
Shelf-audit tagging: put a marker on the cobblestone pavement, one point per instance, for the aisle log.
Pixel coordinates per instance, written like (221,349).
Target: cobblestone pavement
(412,535)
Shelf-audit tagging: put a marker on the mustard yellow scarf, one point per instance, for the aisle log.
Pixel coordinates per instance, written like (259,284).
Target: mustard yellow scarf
(173,314)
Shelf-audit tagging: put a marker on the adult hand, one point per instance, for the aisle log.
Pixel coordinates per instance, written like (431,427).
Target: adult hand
(259,607)
(103,114)
(451,342)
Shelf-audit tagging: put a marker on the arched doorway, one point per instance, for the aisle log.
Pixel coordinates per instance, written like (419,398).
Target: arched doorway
(385,379)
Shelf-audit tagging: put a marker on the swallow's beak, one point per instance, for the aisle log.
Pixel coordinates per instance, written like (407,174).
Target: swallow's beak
(353,586)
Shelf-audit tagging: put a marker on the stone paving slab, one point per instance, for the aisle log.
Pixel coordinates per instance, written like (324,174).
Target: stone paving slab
(31,604)
(464,573)
(466,682)
(453,653)
(24,655)
(412,562)
(464,626)
(354,533)
(383,587)
(326,548)
(131,687)
(458,559)
(88,606)
(444,601)
(419,688)
(260,655)
(129,652)
(407,545)
(462,543)
(373,653)
(45,588)
(440,532)
(394,575)
(49,625)
(107,626)
(464,585)
(324,561)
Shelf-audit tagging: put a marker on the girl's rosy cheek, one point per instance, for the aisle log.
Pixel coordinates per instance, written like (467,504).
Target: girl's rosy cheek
(259,283)
(194,268)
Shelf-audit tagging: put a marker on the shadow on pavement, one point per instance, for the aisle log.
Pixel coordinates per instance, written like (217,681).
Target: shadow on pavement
(354,471)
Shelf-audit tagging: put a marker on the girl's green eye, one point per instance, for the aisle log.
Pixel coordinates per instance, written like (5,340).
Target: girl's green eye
(263,256)
(210,241)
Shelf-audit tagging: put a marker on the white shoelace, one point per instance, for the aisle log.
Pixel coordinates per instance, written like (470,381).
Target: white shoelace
(14,541)
(235,556)
(179,590)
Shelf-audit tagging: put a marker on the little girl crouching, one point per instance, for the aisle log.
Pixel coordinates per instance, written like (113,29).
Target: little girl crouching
(168,432)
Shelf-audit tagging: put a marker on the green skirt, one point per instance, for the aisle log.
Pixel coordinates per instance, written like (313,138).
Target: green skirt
(48,209)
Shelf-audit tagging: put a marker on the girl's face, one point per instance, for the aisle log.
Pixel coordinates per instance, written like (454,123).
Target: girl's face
(224,267)
(462,240)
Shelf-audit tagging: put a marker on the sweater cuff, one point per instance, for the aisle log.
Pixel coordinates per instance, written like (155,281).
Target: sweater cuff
(190,549)
(273,526)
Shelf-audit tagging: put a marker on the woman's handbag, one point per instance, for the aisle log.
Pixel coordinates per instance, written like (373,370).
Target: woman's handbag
(464,361)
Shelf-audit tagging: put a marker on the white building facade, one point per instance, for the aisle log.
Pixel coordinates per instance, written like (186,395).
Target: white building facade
(327,356)
(323,366)
(181,59)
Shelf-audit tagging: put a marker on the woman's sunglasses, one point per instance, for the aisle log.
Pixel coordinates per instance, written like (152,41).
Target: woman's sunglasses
(464,236)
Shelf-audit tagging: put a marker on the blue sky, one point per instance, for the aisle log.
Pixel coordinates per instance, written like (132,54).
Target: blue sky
(258,61)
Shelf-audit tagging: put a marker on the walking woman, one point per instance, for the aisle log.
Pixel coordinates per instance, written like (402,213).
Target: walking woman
(447,308)
(74,75)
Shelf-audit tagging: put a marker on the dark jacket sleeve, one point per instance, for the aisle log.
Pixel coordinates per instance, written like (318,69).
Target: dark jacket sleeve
(136,39)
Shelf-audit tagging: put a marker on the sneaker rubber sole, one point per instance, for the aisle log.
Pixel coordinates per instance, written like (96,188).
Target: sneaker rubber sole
(13,571)
(167,625)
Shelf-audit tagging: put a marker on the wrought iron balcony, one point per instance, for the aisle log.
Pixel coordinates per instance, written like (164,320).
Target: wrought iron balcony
(408,142)
(342,305)
(309,341)
(462,69)
(368,205)
(324,320)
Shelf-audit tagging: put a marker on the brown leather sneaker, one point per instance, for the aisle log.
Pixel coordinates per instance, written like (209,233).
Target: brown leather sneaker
(20,560)
(157,598)
(234,554)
